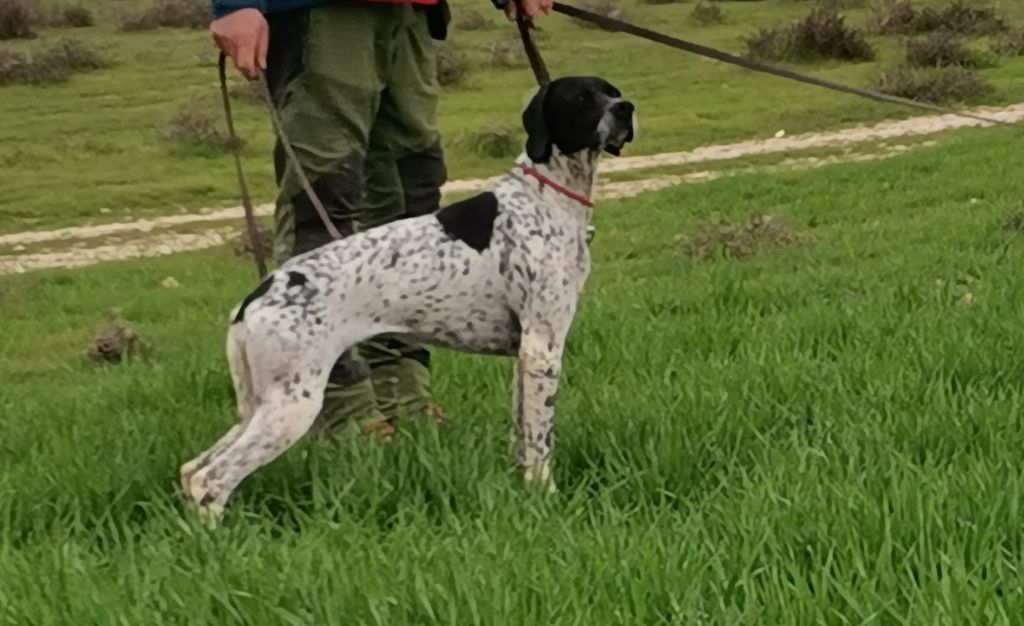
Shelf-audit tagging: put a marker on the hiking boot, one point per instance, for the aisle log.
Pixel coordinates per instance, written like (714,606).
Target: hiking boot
(349,409)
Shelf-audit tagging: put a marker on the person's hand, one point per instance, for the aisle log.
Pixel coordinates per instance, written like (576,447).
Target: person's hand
(245,37)
(533,8)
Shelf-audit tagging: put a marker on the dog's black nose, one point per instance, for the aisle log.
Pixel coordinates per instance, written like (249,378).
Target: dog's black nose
(623,109)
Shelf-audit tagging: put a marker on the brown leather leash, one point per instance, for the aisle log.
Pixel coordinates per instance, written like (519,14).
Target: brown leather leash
(293,161)
(236,148)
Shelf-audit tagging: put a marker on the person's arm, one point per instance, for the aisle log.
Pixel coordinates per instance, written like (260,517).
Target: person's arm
(242,33)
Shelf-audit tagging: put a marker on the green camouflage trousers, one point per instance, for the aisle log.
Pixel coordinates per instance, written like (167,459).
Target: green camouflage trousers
(357,89)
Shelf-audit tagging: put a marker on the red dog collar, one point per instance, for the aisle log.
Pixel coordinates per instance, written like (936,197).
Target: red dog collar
(544,180)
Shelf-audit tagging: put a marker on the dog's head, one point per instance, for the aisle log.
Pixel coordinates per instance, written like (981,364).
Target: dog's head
(575,114)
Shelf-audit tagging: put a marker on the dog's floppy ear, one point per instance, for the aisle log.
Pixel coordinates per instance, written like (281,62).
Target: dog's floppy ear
(538,138)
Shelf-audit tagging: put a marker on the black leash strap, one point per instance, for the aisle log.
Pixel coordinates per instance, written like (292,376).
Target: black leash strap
(236,147)
(525,24)
(613,24)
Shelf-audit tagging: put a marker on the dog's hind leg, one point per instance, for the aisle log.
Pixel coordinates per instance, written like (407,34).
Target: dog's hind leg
(278,423)
(245,397)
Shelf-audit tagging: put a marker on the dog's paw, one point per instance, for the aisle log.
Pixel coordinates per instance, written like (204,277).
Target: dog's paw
(539,476)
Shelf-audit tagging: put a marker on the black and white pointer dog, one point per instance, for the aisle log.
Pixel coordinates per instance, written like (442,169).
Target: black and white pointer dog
(500,273)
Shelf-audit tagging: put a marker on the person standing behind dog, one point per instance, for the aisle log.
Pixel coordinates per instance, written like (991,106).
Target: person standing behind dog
(355,82)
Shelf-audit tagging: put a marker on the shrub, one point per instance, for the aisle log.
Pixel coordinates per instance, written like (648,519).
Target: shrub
(472,20)
(16,19)
(940,49)
(1010,44)
(168,14)
(495,142)
(73,16)
(452,66)
(706,14)
(197,123)
(902,18)
(250,91)
(52,64)
(938,85)
(966,19)
(823,33)
(506,54)
(606,8)
(768,43)
(12,66)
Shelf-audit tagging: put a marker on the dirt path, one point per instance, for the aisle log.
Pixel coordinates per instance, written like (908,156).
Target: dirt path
(83,245)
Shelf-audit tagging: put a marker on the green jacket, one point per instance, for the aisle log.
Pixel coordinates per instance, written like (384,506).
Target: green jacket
(223,7)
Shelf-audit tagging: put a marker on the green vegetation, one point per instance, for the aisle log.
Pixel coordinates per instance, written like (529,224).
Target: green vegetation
(95,142)
(824,432)
(789,398)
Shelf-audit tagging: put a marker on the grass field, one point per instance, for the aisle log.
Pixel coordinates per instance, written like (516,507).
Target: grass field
(827,433)
(90,150)
(824,433)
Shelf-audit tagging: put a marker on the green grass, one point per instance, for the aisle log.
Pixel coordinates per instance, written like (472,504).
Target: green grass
(826,434)
(68,151)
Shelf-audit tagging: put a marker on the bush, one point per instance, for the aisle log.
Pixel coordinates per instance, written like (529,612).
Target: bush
(768,43)
(937,85)
(823,33)
(940,49)
(16,19)
(12,66)
(73,17)
(496,142)
(963,18)
(606,8)
(902,18)
(706,14)
(472,20)
(1010,44)
(452,66)
(169,14)
(52,64)
(250,91)
(506,54)
(197,122)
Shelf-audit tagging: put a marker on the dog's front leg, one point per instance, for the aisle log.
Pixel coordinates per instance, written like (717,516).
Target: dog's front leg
(538,372)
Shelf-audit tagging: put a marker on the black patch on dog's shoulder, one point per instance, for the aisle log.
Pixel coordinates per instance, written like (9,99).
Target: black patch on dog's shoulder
(259,291)
(471,221)
(295,279)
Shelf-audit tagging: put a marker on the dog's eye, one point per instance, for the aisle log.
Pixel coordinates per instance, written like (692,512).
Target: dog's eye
(585,97)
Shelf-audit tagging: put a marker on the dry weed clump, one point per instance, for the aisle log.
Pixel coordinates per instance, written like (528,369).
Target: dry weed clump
(737,240)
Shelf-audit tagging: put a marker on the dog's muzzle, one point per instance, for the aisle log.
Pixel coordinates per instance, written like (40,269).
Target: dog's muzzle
(620,126)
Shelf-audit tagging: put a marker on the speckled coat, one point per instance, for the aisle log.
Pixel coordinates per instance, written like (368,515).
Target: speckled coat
(500,273)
